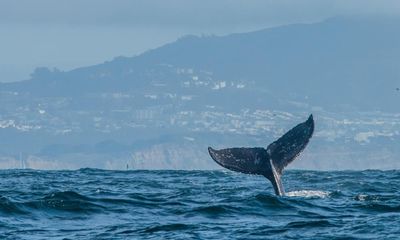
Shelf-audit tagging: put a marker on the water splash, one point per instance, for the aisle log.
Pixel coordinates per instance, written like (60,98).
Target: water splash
(308,194)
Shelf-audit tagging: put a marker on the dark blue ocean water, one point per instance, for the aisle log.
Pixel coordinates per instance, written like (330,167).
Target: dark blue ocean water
(98,204)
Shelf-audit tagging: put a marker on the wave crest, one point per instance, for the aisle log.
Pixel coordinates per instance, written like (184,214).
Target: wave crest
(308,194)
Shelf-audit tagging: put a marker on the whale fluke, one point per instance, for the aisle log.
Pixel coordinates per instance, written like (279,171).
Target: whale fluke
(268,162)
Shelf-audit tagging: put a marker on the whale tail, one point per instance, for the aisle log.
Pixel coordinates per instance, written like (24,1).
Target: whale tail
(271,161)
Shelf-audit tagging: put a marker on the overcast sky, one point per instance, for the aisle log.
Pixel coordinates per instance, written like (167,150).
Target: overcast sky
(73,33)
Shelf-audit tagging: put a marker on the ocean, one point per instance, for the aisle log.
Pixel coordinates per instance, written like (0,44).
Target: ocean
(101,204)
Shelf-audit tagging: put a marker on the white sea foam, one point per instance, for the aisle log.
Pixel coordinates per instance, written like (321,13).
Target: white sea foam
(308,193)
(361,197)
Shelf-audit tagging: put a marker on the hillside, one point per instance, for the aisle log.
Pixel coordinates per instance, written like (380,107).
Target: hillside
(161,109)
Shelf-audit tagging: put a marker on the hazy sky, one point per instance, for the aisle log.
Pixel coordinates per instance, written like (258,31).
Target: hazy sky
(73,33)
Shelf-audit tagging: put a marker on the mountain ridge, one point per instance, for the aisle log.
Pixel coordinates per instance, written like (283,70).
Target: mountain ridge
(237,90)
(355,58)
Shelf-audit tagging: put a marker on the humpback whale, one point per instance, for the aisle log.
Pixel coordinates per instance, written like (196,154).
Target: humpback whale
(268,162)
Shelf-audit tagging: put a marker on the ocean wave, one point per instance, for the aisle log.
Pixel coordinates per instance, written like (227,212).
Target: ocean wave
(271,201)
(306,224)
(8,206)
(196,205)
(380,207)
(67,201)
(214,210)
(167,227)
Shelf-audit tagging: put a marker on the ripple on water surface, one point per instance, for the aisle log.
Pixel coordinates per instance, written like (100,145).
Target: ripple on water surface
(97,204)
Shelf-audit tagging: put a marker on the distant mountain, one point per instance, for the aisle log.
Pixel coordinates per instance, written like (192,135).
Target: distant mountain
(342,63)
(240,89)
